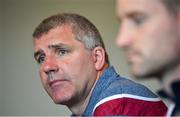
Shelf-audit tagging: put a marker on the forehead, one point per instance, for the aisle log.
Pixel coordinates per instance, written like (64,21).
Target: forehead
(55,36)
(126,6)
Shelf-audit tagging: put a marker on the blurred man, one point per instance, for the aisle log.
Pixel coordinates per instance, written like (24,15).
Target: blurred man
(150,35)
(75,71)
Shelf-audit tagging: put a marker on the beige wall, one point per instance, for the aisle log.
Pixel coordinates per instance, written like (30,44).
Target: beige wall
(1,61)
(21,92)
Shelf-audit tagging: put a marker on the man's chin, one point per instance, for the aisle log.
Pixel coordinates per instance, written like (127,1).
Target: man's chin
(142,76)
(59,101)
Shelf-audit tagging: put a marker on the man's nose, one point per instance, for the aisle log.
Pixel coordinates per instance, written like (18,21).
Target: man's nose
(124,37)
(50,65)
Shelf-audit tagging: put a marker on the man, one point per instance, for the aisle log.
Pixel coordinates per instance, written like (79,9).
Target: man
(75,71)
(150,35)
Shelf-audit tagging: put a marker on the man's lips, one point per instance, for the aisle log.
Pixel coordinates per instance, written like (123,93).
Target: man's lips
(132,56)
(54,82)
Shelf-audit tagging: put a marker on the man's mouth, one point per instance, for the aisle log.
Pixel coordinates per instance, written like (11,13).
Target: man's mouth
(55,82)
(132,56)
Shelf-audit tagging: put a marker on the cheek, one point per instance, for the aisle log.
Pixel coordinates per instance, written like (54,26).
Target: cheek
(42,77)
(80,68)
(150,38)
(80,63)
(163,41)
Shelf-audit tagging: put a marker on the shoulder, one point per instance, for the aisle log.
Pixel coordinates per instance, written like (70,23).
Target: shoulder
(122,85)
(125,97)
(118,84)
(127,106)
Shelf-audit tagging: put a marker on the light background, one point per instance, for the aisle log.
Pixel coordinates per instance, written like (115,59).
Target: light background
(21,92)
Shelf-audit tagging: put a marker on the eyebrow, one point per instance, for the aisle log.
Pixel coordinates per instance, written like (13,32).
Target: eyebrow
(134,14)
(59,45)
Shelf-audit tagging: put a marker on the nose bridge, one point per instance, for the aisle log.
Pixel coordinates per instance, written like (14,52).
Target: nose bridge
(124,35)
(50,64)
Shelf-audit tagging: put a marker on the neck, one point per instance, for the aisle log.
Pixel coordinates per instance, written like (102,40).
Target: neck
(171,76)
(80,107)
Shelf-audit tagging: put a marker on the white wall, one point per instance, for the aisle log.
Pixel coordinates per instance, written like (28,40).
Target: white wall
(21,92)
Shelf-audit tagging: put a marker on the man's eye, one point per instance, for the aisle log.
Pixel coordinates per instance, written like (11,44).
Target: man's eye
(40,59)
(138,20)
(62,52)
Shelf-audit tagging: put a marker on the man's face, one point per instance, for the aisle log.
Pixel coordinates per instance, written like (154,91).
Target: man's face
(66,68)
(149,35)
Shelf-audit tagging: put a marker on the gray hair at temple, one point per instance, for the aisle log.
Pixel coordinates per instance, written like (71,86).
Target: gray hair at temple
(172,5)
(83,30)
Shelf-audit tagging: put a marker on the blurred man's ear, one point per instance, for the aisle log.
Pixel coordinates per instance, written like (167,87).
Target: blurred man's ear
(178,21)
(99,57)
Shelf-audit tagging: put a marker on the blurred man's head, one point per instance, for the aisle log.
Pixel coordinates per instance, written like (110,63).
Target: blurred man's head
(149,33)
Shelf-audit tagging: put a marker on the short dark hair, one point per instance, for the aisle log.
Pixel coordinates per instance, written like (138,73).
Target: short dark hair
(83,30)
(172,5)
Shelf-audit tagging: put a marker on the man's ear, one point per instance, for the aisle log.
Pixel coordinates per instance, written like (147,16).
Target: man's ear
(99,57)
(179,21)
